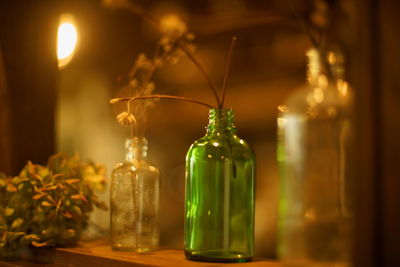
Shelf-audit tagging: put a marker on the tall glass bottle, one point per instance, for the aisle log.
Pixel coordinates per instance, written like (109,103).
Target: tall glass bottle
(315,226)
(219,201)
(134,200)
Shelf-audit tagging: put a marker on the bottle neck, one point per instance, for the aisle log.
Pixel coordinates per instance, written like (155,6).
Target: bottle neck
(327,68)
(221,121)
(136,148)
(336,60)
(316,68)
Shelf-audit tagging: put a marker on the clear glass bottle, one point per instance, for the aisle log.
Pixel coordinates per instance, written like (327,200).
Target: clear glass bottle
(134,200)
(315,208)
(219,200)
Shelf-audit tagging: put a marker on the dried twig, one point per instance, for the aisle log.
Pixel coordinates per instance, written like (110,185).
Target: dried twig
(139,11)
(303,24)
(227,68)
(131,99)
(205,74)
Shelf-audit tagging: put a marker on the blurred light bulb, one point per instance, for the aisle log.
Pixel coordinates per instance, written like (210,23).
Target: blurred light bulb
(67,39)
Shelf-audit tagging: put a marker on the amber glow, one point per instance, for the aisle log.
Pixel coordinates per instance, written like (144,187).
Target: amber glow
(343,87)
(67,39)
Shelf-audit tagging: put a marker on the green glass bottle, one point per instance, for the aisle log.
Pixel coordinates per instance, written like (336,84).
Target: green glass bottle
(219,200)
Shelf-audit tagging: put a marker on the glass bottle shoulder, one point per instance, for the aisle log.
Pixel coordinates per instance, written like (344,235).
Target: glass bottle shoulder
(135,166)
(221,144)
(314,102)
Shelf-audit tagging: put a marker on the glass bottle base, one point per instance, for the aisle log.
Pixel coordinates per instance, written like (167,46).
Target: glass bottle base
(132,249)
(217,256)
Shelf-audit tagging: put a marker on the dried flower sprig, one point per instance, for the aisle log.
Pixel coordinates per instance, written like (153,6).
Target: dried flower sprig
(304,25)
(124,116)
(320,29)
(131,99)
(176,41)
(227,69)
(173,31)
(319,25)
(208,78)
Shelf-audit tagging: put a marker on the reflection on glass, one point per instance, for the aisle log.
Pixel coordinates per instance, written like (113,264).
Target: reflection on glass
(134,201)
(219,204)
(315,227)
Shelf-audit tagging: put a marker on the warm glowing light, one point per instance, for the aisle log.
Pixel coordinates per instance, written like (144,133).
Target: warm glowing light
(172,25)
(67,39)
(283,108)
(322,81)
(343,87)
(310,214)
(280,122)
(318,95)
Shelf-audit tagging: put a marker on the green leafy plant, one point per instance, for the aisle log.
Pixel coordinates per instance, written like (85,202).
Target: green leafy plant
(48,205)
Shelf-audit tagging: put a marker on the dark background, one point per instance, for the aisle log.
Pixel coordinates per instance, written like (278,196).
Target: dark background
(43,110)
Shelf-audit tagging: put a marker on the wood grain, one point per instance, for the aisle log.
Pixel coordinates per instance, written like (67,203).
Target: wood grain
(87,254)
(99,253)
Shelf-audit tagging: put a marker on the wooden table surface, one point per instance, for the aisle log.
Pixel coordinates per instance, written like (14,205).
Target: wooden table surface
(99,254)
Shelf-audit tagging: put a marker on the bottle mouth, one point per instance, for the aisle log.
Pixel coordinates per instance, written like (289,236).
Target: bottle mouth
(220,109)
(136,148)
(221,112)
(221,119)
(135,141)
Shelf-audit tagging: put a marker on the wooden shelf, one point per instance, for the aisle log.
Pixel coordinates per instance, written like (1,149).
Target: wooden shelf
(99,254)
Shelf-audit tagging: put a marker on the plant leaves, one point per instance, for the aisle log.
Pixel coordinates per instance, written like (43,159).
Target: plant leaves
(57,175)
(36,189)
(50,188)
(28,239)
(80,197)
(69,233)
(11,236)
(46,204)
(8,211)
(4,237)
(33,203)
(37,177)
(11,188)
(39,196)
(17,223)
(76,211)
(39,245)
(32,237)
(51,199)
(100,204)
(72,181)
(67,215)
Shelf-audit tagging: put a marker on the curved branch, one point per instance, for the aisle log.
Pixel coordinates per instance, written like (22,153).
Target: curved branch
(205,74)
(139,11)
(303,24)
(227,68)
(185,99)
